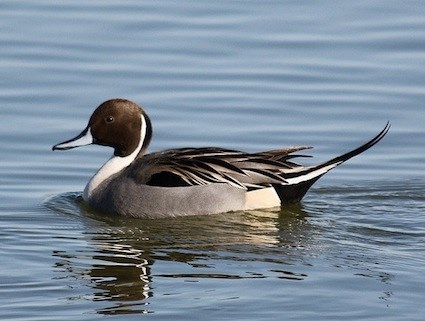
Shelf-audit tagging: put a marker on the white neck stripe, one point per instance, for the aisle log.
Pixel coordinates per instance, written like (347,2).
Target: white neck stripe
(114,164)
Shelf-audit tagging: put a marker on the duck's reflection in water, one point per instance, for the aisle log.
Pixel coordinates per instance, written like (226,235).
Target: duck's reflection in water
(122,252)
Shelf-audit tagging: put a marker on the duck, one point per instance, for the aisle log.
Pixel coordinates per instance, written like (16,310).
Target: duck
(189,181)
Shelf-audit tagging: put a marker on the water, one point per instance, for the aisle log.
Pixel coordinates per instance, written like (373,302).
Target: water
(236,74)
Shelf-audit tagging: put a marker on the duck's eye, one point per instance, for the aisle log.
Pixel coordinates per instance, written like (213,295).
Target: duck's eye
(109,119)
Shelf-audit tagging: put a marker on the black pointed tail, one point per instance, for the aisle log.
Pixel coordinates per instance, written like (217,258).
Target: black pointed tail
(300,181)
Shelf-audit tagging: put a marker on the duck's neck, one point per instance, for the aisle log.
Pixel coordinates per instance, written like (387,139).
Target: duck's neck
(115,164)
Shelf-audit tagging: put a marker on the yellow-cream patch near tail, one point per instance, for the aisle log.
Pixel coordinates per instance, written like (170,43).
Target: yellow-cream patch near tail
(261,198)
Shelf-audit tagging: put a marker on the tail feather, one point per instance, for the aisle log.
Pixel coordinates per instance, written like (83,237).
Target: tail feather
(299,181)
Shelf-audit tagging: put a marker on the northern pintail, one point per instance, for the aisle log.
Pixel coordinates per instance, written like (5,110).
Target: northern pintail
(188,181)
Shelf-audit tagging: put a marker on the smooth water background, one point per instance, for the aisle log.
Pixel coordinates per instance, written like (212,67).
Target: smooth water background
(250,75)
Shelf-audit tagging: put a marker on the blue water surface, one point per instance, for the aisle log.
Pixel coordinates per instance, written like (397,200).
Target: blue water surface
(248,75)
